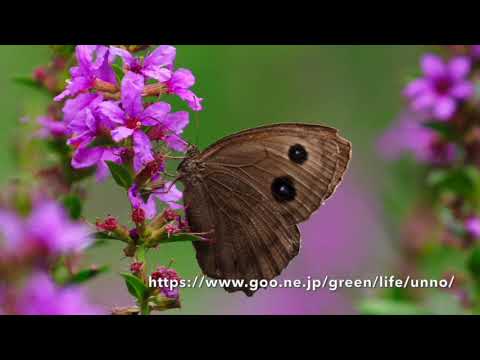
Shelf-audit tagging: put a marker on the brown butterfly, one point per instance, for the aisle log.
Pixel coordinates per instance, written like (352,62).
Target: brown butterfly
(251,189)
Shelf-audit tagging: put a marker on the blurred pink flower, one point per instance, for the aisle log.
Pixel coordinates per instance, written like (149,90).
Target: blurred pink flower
(41,296)
(407,135)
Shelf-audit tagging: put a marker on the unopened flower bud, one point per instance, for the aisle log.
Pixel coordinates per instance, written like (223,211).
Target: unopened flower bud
(138,215)
(109,224)
(136,267)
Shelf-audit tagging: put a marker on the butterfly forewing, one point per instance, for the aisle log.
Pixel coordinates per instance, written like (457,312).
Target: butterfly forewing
(265,156)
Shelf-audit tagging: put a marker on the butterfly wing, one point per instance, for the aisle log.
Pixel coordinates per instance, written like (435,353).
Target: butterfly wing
(254,187)
(311,159)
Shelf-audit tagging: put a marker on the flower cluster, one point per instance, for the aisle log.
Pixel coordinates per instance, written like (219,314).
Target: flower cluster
(107,117)
(441,95)
(440,127)
(163,272)
(31,246)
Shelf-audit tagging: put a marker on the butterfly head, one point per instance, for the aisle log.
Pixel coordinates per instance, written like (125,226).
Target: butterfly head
(190,165)
(192,151)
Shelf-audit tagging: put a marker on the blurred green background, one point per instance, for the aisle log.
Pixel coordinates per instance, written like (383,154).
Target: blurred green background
(354,88)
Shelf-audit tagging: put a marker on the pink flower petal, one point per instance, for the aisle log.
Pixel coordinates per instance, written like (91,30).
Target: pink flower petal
(459,67)
(463,90)
(433,66)
(155,113)
(86,157)
(444,108)
(132,88)
(120,133)
(415,87)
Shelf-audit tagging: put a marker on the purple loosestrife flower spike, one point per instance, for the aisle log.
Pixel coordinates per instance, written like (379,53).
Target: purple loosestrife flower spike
(443,85)
(94,62)
(155,65)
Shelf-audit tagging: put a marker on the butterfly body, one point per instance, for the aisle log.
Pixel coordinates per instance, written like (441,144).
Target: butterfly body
(251,189)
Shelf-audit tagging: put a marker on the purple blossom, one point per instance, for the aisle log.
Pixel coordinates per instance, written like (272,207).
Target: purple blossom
(131,116)
(51,127)
(473,226)
(74,107)
(442,87)
(41,296)
(180,83)
(165,273)
(168,194)
(155,65)
(85,157)
(85,123)
(169,130)
(47,228)
(408,135)
(94,62)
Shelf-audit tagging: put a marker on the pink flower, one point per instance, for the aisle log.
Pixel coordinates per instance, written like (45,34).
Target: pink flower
(180,83)
(94,63)
(443,86)
(47,228)
(51,127)
(41,296)
(155,65)
(170,274)
(473,226)
(407,135)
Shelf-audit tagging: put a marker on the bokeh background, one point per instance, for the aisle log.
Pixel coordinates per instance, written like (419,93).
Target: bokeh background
(353,88)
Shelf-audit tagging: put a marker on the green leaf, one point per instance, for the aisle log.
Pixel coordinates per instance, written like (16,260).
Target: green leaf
(74,206)
(136,287)
(119,74)
(58,146)
(120,174)
(86,275)
(145,308)
(63,50)
(460,181)
(473,263)
(27,80)
(390,307)
(179,238)
(101,236)
(102,141)
(444,129)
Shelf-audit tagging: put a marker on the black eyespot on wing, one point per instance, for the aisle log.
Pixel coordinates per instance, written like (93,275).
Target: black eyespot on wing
(298,154)
(283,189)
